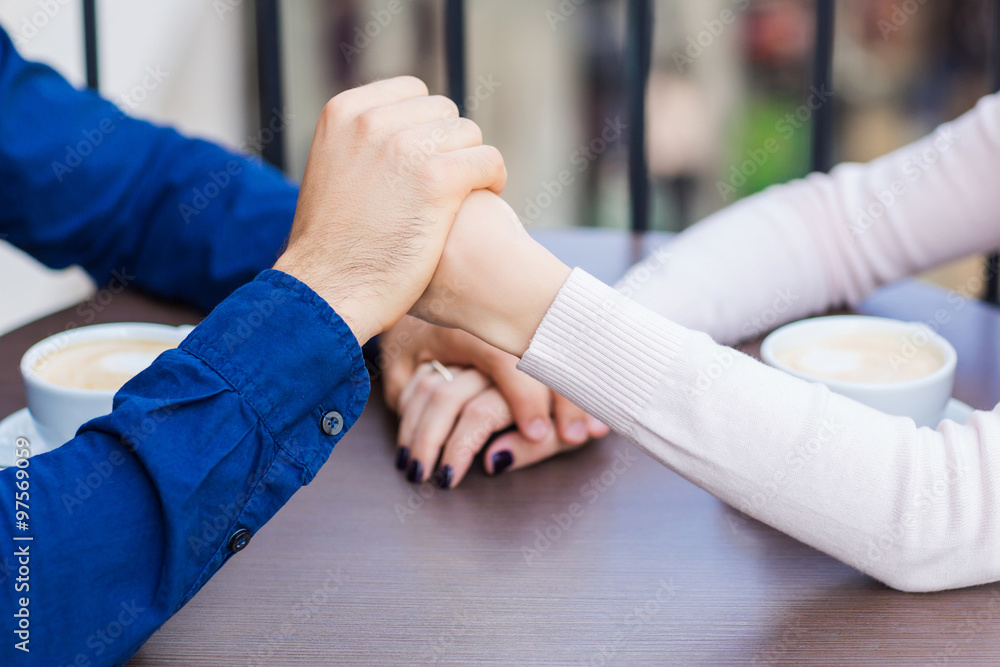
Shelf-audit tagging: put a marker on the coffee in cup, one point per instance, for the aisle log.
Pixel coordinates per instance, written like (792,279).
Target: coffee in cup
(100,364)
(73,376)
(864,357)
(901,368)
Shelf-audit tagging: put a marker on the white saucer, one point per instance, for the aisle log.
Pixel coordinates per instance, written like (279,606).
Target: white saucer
(19,425)
(957,411)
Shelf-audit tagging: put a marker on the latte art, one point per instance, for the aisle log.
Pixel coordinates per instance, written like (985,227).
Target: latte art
(102,365)
(863,357)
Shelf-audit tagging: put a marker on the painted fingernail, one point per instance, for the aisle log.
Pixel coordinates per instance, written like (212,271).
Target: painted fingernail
(442,478)
(501,461)
(402,458)
(576,432)
(416,472)
(538,429)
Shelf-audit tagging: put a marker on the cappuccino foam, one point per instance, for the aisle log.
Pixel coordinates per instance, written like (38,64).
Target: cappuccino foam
(863,357)
(102,364)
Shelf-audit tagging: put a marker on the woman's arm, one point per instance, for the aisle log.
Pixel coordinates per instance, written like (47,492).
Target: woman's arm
(791,251)
(915,508)
(828,240)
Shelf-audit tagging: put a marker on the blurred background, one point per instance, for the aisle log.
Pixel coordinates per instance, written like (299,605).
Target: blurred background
(545,81)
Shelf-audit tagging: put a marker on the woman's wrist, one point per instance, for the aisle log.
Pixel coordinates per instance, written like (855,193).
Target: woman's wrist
(508,317)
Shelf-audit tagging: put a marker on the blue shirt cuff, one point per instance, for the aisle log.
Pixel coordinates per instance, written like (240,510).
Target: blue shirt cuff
(292,358)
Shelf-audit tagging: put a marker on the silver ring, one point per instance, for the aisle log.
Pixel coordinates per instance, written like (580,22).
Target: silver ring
(440,368)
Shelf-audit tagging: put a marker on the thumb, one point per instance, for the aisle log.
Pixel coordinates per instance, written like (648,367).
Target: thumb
(480,168)
(530,401)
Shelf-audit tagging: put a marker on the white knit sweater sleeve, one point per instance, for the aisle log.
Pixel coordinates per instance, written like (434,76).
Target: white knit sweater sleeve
(918,509)
(828,240)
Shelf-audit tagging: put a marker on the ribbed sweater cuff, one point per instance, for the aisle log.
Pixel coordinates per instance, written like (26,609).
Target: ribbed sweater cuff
(602,350)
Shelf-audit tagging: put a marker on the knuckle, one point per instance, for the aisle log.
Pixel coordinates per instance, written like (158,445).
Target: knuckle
(467,127)
(436,172)
(403,141)
(335,110)
(369,121)
(426,385)
(448,107)
(494,158)
(477,411)
(441,396)
(413,83)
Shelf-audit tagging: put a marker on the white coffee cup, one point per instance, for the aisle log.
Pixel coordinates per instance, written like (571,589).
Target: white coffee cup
(923,399)
(58,411)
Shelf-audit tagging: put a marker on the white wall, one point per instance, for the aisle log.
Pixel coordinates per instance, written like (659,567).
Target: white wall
(203,93)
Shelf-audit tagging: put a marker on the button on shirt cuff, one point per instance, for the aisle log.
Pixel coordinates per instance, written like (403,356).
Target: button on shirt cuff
(294,361)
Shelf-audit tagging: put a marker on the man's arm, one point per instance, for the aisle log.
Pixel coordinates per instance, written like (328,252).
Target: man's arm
(83,183)
(132,516)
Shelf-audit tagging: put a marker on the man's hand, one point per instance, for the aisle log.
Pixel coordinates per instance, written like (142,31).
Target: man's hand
(453,420)
(388,169)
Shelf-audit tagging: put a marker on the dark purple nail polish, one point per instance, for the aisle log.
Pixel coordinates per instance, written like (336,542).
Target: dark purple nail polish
(501,461)
(416,472)
(442,478)
(402,458)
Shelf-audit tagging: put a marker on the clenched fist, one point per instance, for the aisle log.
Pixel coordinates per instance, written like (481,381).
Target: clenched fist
(388,170)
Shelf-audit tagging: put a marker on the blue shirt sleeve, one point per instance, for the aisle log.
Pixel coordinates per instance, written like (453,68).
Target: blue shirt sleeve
(129,520)
(83,183)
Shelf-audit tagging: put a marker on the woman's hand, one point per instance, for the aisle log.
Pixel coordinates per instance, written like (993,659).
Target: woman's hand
(448,422)
(493,280)
(413,342)
(496,283)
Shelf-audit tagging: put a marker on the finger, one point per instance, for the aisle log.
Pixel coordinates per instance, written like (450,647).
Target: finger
(413,407)
(597,428)
(512,451)
(405,398)
(413,112)
(395,378)
(352,103)
(398,370)
(451,134)
(411,389)
(478,168)
(529,399)
(571,421)
(438,420)
(481,417)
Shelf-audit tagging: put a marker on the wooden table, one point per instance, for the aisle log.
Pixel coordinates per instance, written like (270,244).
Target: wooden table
(652,570)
